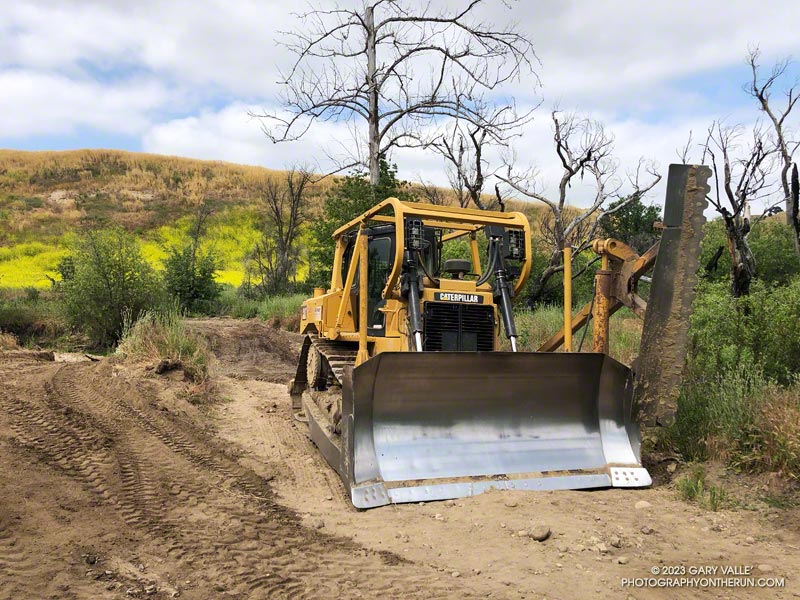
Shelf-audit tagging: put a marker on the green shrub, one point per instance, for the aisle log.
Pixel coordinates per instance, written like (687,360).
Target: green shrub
(35,319)
(66,267)
(632,224)
(716,414)
(772,246)
(695,488)
(189,278)
(161,336)
(762,329)
(730,407)
(111,282)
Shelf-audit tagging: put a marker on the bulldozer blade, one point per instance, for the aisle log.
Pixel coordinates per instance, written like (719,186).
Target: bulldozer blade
(659,367)
(431,426)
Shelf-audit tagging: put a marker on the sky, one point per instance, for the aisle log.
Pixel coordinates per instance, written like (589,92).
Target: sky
(179,77)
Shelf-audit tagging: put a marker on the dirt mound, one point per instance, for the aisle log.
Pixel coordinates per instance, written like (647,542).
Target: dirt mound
(250,349)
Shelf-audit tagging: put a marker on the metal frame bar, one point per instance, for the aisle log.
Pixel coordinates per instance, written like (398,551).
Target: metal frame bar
(363,252)
(626,268)
(348,284)
(461,219)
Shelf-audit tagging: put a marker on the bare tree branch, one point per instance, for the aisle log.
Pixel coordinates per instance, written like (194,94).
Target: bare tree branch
(274,259)
(582,147)
(761,90)
(741,177)
(398,69)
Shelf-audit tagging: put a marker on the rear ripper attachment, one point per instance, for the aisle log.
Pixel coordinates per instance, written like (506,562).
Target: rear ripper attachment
(403,385)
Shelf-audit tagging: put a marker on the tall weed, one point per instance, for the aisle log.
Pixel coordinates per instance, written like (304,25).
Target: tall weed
(162,336)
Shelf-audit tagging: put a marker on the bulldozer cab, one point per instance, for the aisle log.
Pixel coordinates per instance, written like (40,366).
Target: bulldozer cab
(381,245)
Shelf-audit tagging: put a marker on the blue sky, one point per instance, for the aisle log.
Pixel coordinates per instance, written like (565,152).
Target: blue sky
(179,77)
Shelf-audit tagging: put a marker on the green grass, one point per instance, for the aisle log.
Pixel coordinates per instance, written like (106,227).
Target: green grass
(694,488)
(782,501)
(35,317)
(535,327)
(717,416)
(284,310)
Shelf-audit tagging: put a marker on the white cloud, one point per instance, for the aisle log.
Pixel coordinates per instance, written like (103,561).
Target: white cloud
(182,74)
(41,104)
(230,134)
(229,46)
(616,53)
(606,52)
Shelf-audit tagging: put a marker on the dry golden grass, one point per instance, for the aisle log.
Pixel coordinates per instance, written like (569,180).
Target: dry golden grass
(779,422)
(48,193)
(7,341)
(134,188)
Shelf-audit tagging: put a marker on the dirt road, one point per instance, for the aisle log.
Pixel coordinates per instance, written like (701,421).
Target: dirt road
(114,486)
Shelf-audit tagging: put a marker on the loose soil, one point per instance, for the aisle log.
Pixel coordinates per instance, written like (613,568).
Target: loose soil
(114,485)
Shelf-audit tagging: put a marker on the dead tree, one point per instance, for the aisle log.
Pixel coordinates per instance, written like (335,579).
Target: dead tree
(761,90)
(584,149)
(465,163)
(462,147)
(275,257)
(741,178)
(203,208)
(432,193)
(397,67)
(795,197)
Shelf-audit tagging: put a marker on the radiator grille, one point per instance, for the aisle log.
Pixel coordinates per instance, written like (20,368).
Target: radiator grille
(450,326)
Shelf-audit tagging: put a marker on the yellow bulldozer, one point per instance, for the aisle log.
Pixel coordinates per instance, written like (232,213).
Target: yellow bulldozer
(409,394)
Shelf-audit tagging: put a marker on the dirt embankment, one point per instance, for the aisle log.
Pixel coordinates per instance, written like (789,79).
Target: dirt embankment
(113,486)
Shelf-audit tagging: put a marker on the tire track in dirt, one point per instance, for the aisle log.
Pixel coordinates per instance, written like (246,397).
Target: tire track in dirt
(119,402)
(208,518)
(74,442)
(16,563)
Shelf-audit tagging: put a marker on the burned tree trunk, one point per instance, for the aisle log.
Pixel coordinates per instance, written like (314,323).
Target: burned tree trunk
(742,259)
(741,175)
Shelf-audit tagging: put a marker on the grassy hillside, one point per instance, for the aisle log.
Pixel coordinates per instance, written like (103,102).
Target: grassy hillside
(47,196)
